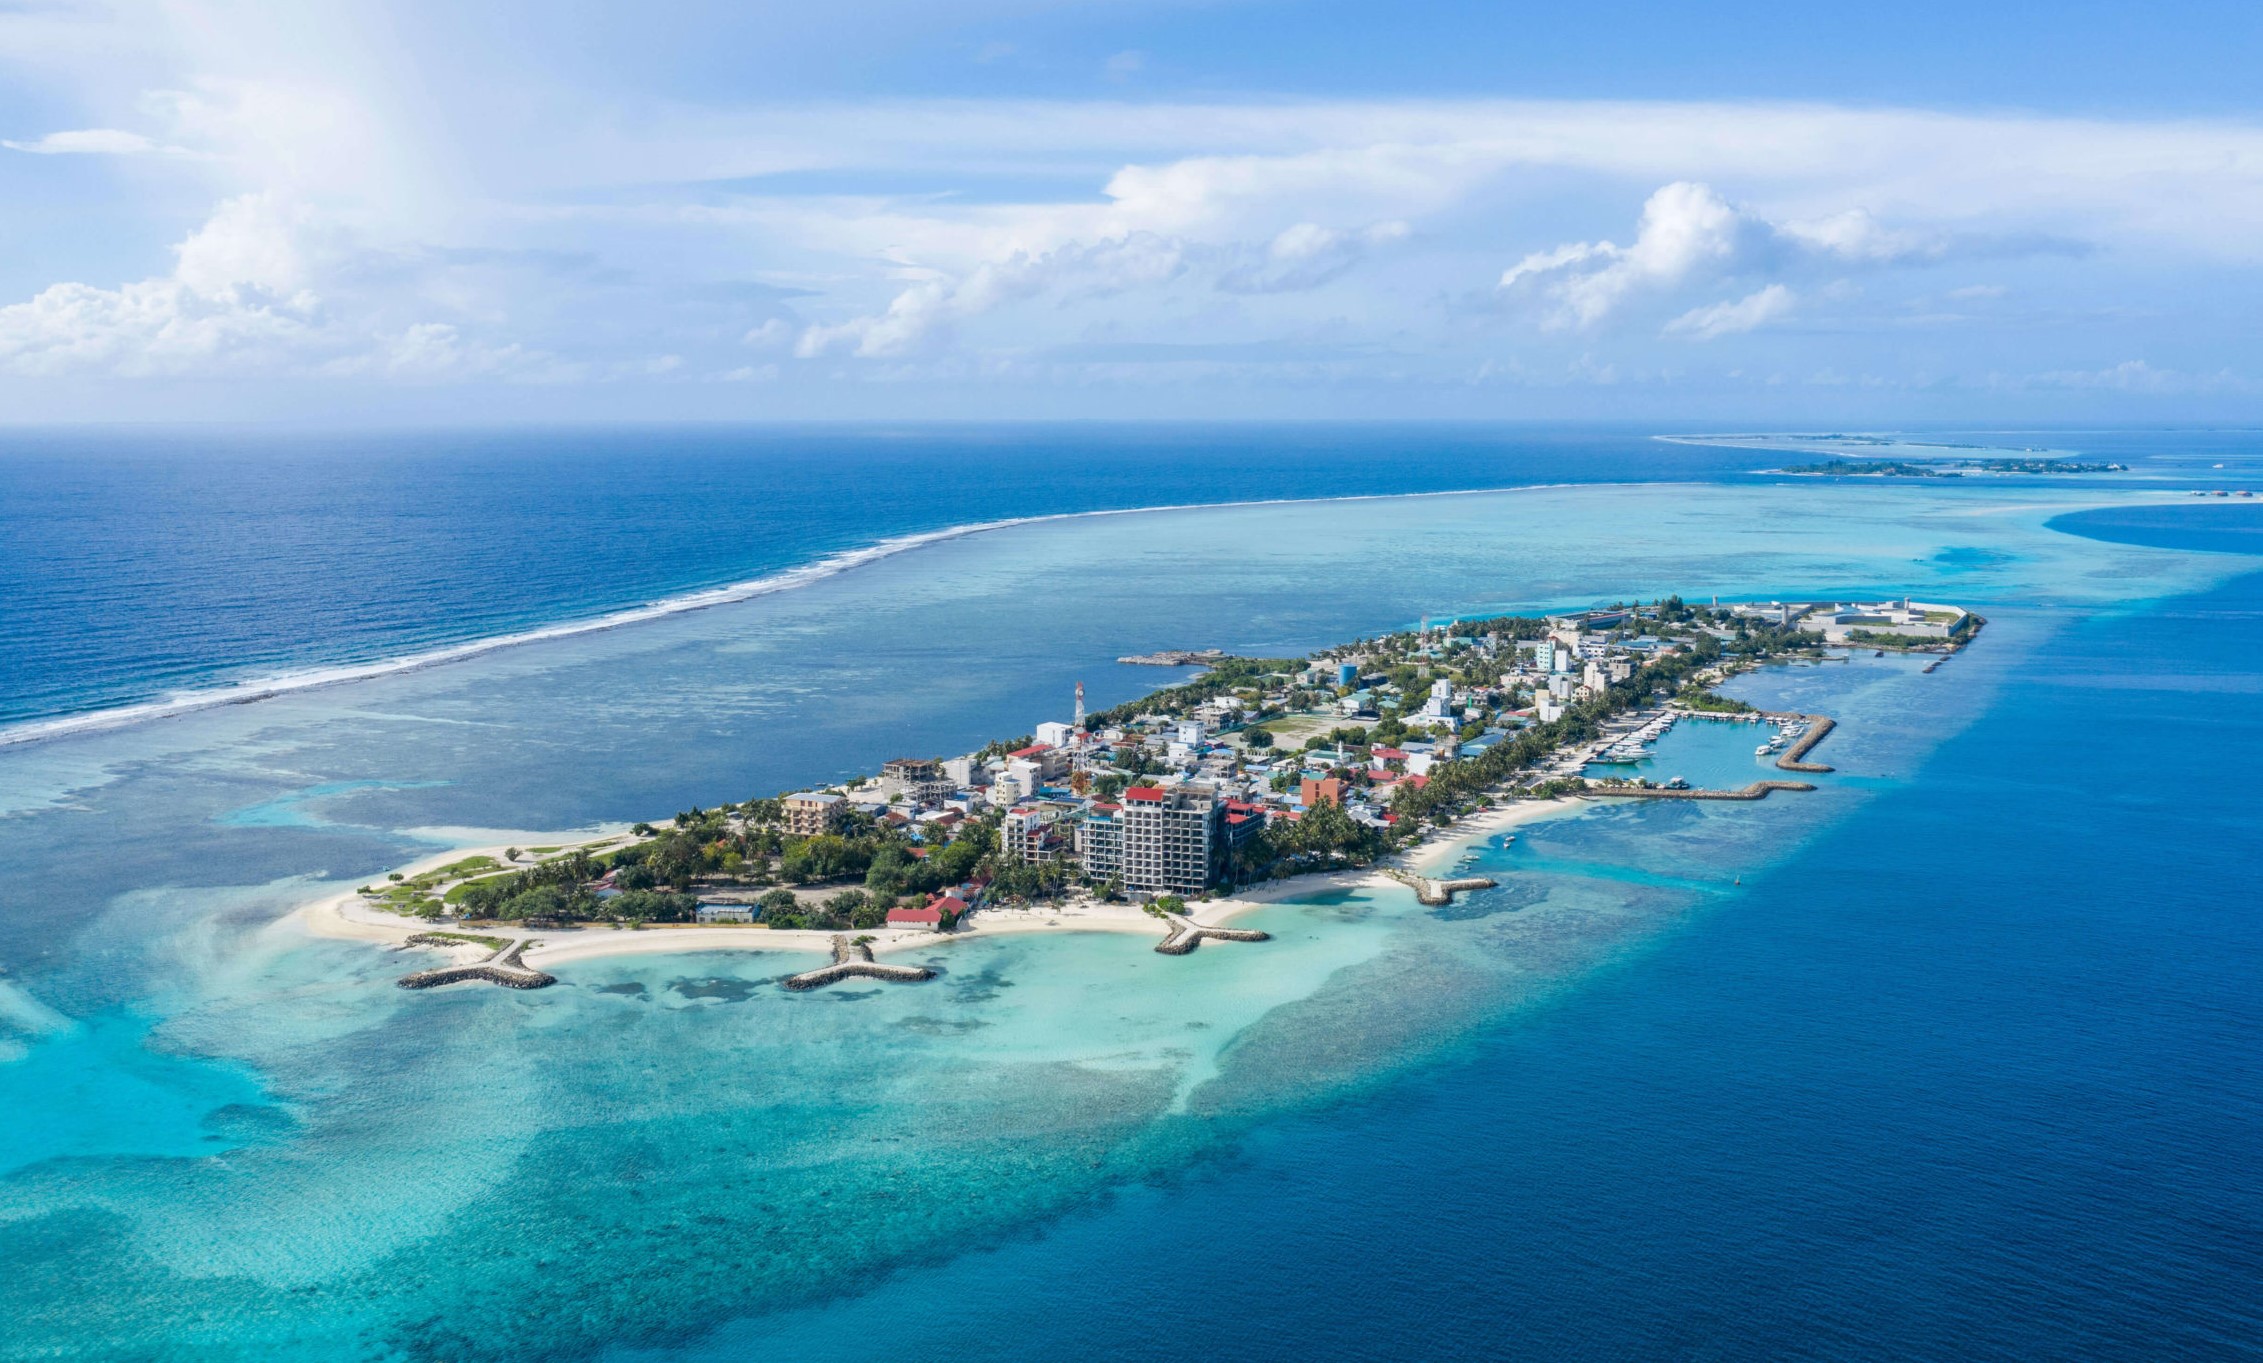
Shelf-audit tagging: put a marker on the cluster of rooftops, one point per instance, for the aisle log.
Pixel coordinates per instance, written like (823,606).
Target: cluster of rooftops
(1157,803)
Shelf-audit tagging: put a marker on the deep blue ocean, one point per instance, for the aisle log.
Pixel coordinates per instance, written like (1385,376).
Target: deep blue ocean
(135,564)
(1958,1057)
(1977,1076)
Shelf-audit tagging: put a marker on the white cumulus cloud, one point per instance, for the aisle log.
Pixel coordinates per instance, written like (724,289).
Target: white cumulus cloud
(1691,236)
(1755,309)
(239,295)
(91,142)
(1685,228)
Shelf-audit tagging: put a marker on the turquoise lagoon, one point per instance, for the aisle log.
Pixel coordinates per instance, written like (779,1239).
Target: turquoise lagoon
(669,1155)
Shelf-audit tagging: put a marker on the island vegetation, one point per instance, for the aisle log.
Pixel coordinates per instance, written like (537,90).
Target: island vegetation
(1944,468)
(1291,726)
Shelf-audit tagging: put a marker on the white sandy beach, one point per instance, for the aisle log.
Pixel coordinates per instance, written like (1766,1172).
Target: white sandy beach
(346,916)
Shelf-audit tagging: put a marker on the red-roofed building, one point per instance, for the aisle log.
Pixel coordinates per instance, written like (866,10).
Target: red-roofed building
(927,916)
(1050,761)
(1243,820)
(1323,790)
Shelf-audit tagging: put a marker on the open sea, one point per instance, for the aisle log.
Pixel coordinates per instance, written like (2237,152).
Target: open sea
(1958,1057)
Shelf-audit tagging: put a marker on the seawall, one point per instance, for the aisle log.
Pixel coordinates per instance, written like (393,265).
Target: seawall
(853,960)
(503,968)
(1758,790)
(1818,728)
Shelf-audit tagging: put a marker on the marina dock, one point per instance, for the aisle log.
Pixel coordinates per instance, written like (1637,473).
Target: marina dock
(1758,790)
(1818,727)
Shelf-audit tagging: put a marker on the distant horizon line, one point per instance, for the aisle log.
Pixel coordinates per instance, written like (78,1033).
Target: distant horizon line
(1657,427)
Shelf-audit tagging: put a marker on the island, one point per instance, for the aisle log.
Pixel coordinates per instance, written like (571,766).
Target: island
(1189,803)
(1942,468)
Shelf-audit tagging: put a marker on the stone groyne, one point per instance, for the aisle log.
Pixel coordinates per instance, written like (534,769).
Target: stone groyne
(1758,790)
(503,967)
(1438,892)
(1186,934)
(1818,726)
(854,960)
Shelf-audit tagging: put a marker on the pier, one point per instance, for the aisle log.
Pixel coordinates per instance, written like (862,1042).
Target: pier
(503,967)
(1438,892)
(1818,727)
(854,960)
(1186,934)
(1758,790)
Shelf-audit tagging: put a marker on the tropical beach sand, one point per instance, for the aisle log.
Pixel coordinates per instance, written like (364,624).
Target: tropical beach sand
(345,916)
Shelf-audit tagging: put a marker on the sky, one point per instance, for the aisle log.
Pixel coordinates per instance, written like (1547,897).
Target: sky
(880,209)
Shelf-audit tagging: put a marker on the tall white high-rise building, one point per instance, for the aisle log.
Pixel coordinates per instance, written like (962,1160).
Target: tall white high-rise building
(1170,839)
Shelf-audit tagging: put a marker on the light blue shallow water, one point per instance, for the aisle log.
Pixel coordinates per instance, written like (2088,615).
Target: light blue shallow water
(1952,1069)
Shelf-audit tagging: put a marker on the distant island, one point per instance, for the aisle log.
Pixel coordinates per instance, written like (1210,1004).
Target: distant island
(1942,468)
(1258,770)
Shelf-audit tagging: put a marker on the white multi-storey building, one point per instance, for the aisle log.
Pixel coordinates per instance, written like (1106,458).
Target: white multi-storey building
(1170,839)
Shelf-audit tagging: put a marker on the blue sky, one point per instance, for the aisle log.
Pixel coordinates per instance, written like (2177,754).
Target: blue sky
(1756,212)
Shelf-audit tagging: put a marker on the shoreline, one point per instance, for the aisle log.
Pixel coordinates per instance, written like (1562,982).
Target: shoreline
(321,676)
(342,916)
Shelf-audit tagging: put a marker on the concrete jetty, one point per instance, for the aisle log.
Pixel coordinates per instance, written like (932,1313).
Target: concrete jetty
(1758,790)
(1186,934)
(854,959)
(1438,892)
(503,967)
(1818,727)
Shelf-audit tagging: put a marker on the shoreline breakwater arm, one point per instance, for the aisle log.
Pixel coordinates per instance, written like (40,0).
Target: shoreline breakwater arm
(1758,790)
(1186,934)
(854,959)
(503,967)
(1437,892)
(1818,728)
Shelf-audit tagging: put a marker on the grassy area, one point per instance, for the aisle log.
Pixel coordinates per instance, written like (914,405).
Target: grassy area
(1903,643)
(1699,698)
(542,851)
(472,938)
(468,866)
(407,898)
(1290,731)
(456,892)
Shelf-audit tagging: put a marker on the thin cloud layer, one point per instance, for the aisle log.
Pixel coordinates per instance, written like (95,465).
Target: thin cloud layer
(373,218)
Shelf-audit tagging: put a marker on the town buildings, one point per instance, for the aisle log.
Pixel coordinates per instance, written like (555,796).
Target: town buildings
(1163,801)
(1170,839)
(810,812)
